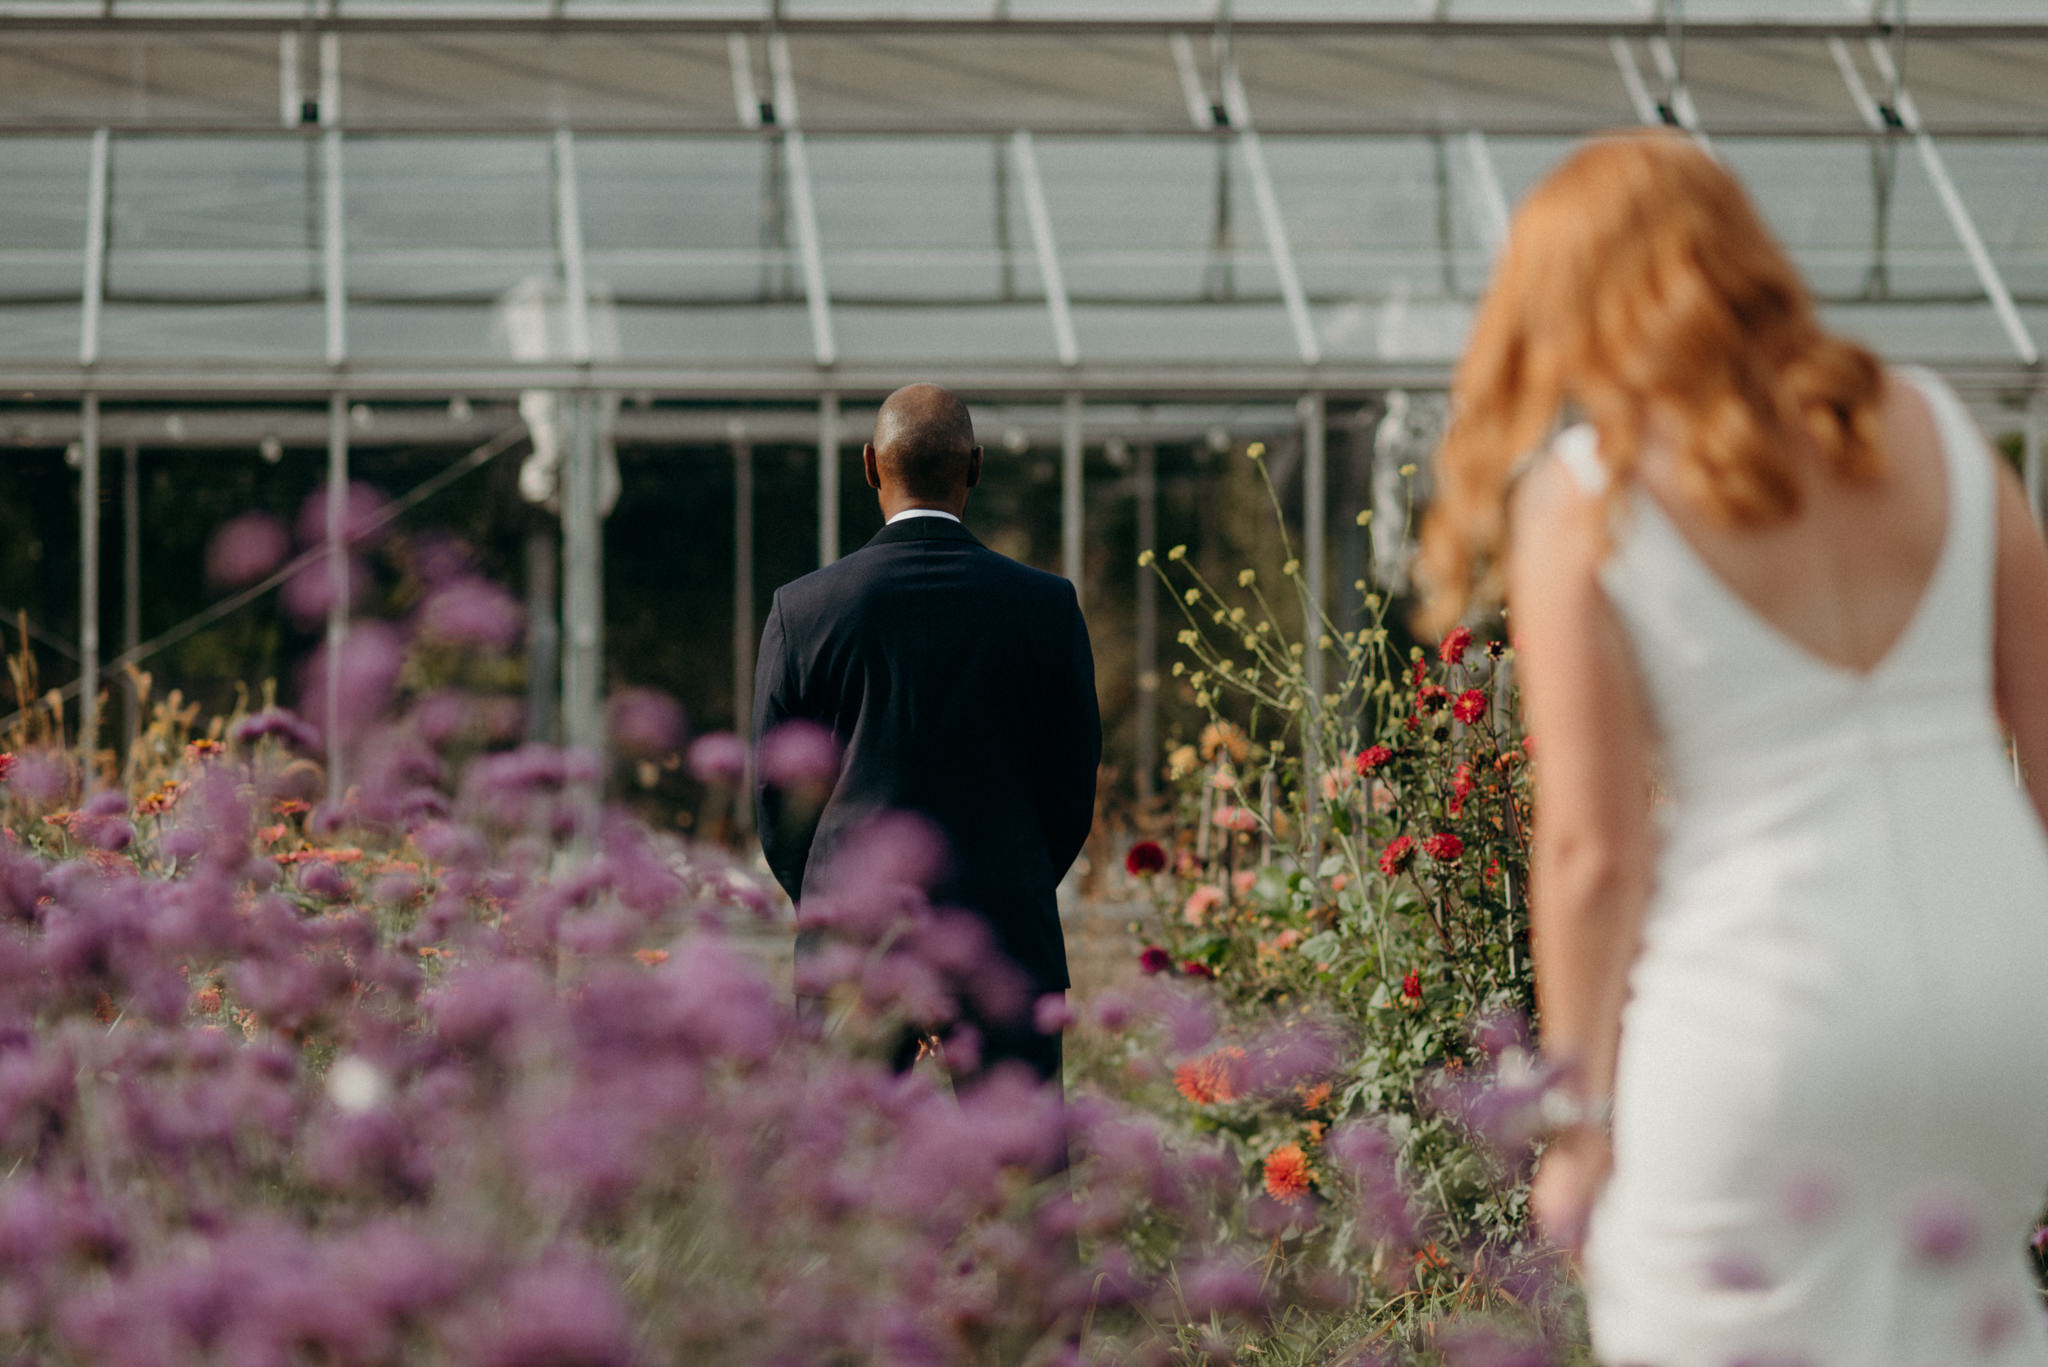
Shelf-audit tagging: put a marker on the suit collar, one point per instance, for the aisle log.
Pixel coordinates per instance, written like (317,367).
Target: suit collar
(922,529)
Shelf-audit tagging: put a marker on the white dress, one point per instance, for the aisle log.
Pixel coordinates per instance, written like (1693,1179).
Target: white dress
(1831,1098)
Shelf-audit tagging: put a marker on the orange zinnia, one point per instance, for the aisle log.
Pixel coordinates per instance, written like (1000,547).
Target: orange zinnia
(1287,1173)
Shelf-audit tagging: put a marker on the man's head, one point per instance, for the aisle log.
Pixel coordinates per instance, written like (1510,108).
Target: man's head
(923,454)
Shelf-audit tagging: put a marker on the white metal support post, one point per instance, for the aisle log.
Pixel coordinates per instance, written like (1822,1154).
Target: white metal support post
(2031,453)
(1491,199)
(1148,627)
(337,589)
(1908,119)
(828,479)
(1025,154)
(582,584)
(89,589)
(93,296)
(742,598)
(1291,294)
(1070,490)
(131,588)
(335,287)
(825,348)
(94,293)
(1315,518)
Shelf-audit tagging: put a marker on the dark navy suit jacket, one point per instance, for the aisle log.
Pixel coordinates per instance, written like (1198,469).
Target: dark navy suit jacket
(962,687)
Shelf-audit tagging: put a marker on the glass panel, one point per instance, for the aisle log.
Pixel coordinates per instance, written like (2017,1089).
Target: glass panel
(694,241)
(213,247)
(1386,237)
(643,79)
(1931,332)
(1988,83)
(42,244)
(1394,82)
(995,81)
(451,248)
(1752,83)
(93,77)
(2005,185)
(1860,217)
(1143,222)
(927,249)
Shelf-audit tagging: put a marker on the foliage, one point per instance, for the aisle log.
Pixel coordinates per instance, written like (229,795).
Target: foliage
(467,1068)
(1351,848)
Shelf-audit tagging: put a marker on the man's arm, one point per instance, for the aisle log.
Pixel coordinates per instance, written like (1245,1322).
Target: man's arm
(787,845)
(1072,748)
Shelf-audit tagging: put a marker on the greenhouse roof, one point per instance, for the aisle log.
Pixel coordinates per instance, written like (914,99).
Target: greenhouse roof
(248,198)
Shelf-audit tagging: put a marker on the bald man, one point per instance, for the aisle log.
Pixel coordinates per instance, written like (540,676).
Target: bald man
(962,688)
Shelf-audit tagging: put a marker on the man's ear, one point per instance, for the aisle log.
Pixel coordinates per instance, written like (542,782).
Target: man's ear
(868,466)
(974,467)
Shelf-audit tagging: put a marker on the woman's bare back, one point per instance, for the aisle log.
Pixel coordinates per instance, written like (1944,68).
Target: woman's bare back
(1844,576)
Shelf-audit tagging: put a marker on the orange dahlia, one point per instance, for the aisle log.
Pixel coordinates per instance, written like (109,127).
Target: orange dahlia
(1288,1174)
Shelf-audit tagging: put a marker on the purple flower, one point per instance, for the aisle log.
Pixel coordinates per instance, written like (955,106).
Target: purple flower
(370,661)
(560,1312)
(1943,1225)
(40,775)
(1215,1287)
(309,593)
(800,755)
(719,759)
(362,506)
(1051,1013)
(645,721)
(244,549)
(472,611)
(1111,1012)
(1479,1346)
(278,722)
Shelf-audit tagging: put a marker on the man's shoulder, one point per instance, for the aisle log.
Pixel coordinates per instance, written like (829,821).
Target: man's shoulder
(868,570)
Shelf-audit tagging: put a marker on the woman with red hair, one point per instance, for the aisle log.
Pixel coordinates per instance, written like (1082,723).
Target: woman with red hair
(1789,590)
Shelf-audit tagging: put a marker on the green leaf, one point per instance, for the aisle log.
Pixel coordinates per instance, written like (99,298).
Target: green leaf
(1332,865)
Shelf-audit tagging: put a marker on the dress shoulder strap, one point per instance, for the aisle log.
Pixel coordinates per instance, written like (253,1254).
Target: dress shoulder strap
(1578,447)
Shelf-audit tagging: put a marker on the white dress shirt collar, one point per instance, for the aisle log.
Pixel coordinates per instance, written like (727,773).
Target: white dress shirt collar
(908,513)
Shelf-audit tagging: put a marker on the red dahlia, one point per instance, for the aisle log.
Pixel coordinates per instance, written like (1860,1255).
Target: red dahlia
(1444,846)
(1455,645)
(1145,857)
(1153,959)
(1470,706)
(1398,854)
(1372,757)
(1411,987)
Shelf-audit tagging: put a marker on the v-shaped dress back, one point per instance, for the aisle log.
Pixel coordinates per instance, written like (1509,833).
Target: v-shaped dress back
(1831,1100)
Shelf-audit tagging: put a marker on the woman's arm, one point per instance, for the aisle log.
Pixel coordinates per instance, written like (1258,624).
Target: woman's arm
(2020,636)
(1593,855)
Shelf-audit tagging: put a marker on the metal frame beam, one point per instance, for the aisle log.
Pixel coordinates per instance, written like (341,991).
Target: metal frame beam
(810,249)
(1905,116)
(1138,380)
(650,19)
(1240,111)
(1036,211)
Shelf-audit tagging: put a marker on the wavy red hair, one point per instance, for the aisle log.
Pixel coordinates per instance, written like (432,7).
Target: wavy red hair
(1638,278)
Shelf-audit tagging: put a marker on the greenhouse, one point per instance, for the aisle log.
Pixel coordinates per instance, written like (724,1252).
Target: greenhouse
(677,249)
